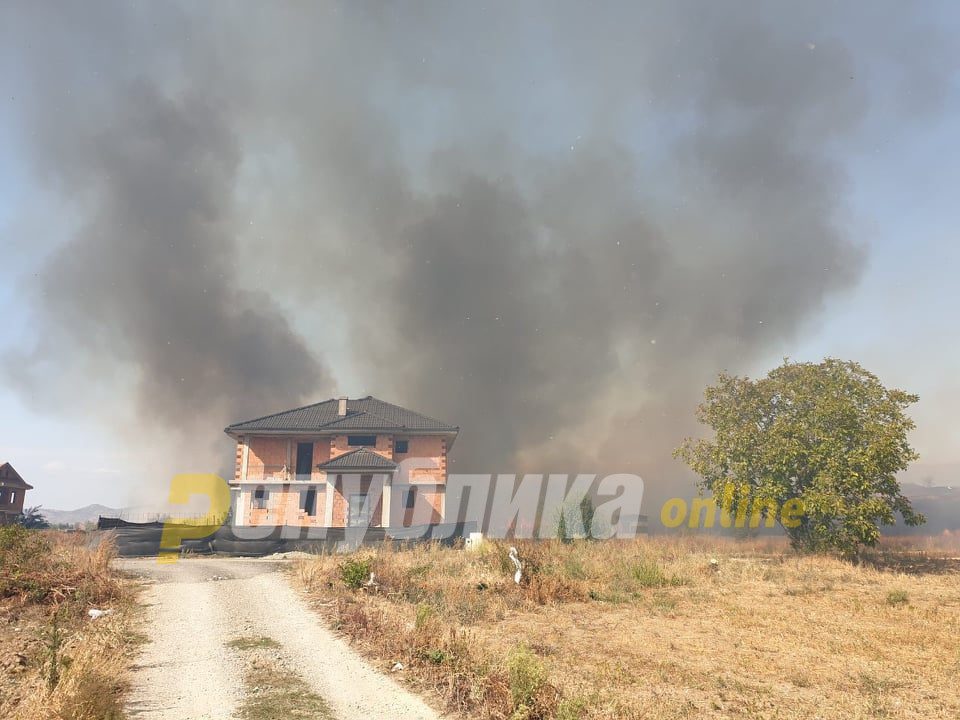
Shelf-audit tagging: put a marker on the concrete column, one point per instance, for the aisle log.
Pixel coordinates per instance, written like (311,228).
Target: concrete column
(328,501)
(289,473)
(385,507)
(243,463)
(240,508)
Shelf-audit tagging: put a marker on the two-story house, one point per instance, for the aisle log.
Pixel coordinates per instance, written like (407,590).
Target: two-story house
(341,463)
(13,490)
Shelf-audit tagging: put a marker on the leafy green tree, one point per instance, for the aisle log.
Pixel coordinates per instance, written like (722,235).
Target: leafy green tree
(827,436)
(33,518)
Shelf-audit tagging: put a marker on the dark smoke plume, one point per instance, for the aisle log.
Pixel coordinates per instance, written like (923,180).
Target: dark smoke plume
(551,225)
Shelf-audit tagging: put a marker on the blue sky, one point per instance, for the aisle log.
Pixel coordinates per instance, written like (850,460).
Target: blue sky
(899,319)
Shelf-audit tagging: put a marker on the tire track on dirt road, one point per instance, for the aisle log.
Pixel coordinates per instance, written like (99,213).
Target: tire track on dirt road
(195,607)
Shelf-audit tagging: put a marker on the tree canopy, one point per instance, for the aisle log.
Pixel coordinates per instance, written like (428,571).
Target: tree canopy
(827,434)
(33,518)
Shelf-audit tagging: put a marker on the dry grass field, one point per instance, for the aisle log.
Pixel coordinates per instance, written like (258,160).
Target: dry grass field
(655,628)
(55,662)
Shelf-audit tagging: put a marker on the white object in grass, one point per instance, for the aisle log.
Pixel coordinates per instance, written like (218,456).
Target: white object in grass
(516,562)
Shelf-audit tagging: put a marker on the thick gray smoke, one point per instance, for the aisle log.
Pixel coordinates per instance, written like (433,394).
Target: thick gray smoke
(550,225)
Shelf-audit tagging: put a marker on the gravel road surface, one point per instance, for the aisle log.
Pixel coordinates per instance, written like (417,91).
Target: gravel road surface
(196,606)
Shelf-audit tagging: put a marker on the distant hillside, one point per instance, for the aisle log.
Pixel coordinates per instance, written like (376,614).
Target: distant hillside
(133,513)
(941,505)
(90,513)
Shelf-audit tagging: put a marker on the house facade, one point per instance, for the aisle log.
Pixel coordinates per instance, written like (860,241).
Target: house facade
(13,490)
(341,463)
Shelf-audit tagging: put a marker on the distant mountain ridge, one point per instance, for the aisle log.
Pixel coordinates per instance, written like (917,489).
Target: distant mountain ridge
(88,513)
(136,513)
(940,504)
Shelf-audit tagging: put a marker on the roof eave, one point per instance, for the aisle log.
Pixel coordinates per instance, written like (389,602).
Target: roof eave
(13,483)
(237,433)
(364,470)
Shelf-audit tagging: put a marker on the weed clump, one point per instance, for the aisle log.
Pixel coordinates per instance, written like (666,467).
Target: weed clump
(54,570)
(532,697)
(21,553)
(648,574)
(898,597)
(355,572)
(48,582)
(527,675)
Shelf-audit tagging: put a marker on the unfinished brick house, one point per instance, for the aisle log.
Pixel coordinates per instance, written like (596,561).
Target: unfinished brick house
(341,463)
(13,490)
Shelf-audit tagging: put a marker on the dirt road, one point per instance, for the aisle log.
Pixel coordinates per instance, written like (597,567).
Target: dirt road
(190,671)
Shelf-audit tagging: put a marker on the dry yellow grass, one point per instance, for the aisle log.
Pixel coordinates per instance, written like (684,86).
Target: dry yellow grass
(654,628)
(60,663)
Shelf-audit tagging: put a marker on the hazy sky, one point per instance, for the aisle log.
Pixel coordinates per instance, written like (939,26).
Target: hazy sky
(550,224)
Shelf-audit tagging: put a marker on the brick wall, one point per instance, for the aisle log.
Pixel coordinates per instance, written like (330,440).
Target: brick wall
(342,489)
(270,452)
(284,507)
(321,453)
(284,503)
(434,498)
(428,503)
(274,453)
(339,446)
(431,447)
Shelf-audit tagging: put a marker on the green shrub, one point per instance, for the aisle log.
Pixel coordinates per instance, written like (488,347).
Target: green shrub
(587,512)
(649,575)
(355,572)
(527,675)
(437,656)
(571,709)
(20,546)
(575,520)
(897,597)
(424,613)
(53,663)
(562,533)
(23,553)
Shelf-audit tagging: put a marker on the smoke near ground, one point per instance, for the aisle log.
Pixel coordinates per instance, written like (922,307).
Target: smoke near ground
(549,224)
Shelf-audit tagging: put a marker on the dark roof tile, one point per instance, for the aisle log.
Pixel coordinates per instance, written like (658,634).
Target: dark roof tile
(359,459)
(367,413)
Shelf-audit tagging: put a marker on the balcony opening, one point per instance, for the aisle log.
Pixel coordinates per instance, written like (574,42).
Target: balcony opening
(304,460)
